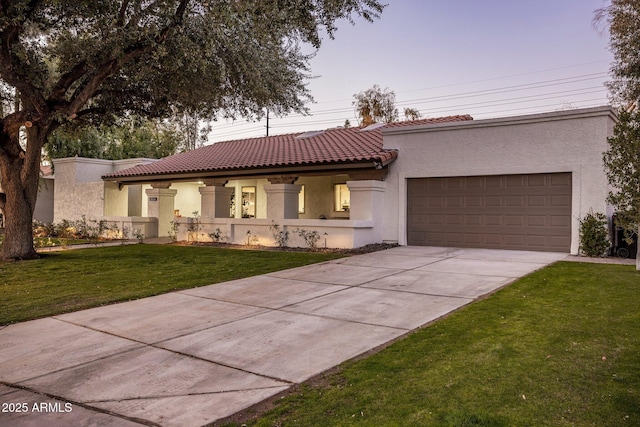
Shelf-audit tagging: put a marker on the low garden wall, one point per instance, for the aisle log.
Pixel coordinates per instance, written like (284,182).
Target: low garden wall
(331,233)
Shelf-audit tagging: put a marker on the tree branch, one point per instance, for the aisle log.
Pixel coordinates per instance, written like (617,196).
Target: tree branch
(8,40)
(177,21)
(112,66)
(122,14)
(67,79)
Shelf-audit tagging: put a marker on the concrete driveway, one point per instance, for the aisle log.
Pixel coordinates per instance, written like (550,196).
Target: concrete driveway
(191,357)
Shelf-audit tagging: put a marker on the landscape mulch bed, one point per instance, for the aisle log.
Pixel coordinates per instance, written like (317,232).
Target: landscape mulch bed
(374,247)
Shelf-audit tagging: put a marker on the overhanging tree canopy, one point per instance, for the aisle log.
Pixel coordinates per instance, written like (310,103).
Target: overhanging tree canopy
(622,159)
(87,59)
(622,18)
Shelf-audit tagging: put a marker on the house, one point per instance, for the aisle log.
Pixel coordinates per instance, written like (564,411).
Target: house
(518,182)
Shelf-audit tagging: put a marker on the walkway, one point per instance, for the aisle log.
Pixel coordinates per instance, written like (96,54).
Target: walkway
(191,357)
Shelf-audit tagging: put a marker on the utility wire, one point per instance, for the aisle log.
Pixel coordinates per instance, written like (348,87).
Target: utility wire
(340,114)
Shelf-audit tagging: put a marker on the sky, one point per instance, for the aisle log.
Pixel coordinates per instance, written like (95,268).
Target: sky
(486,58)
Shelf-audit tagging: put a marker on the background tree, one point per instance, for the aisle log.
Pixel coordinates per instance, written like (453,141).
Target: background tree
(622,166)
(192,131)
(85,59)
(412,114)
(622,159)
(622,19)
(375,105)
(129,139)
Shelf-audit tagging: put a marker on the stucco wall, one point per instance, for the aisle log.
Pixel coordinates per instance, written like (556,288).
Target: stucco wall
(187,198)
(316,201)
(43,211)
(568,141)
(79,189)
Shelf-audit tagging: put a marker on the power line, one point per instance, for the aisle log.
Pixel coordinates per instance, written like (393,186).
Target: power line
(336,116)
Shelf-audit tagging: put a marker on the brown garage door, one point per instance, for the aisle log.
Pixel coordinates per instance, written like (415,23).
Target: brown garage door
(527,212)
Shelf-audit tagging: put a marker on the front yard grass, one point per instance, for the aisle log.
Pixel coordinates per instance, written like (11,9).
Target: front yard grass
(61,282)
(560,347)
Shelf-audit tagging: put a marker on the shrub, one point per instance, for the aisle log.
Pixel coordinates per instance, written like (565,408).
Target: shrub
(281,236)
(216,236)
(310,237)
(594,235)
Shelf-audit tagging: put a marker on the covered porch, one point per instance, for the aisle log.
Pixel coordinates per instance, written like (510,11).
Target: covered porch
(330,209)
(326,185)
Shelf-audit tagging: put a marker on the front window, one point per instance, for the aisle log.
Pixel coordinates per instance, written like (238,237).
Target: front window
(301,200)
(248,202)
(342,198)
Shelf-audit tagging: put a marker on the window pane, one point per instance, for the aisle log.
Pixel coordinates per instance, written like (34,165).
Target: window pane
(248,202)
(301,200)
(342,198)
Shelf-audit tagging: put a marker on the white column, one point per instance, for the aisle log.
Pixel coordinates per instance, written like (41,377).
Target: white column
(367,197)
(282,200)
(161,205)
(215,201)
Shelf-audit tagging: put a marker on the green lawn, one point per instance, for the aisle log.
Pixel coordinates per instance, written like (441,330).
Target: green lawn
(60,282)
(560,347)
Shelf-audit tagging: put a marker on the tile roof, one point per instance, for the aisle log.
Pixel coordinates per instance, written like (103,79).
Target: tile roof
(333,146)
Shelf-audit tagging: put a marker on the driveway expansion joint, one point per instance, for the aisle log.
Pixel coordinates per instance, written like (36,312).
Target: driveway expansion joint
(157,346)
(204,393)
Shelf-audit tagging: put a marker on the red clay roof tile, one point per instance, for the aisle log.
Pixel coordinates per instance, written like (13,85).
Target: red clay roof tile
(333,146)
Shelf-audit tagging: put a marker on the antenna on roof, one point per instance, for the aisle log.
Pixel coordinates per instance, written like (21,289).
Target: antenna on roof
(267,122)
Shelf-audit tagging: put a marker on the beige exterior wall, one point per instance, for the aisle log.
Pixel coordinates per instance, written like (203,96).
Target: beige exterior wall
(187,198)
(44,204)
(319,197)
(242,231)
(567,141)
(79,189)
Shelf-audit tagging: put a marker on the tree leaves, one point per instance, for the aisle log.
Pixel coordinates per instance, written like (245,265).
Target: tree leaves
(224,57)
(623,19)
(376,105)
(622,166)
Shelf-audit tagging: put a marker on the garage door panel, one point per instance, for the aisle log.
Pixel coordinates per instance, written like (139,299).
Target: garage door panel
(514,201)
(537,181)
(473,220)
(493,220)
(514,220)
(560,241)
(474,201)
(454,220)
(455,201)
(514,241)
(530,212)
(472,239)
(492,201)
(562,200)
(435,202)
(561,179)
(559,221)
(518,181)
(536,220)
(537,200)
(435,219)
(470,183)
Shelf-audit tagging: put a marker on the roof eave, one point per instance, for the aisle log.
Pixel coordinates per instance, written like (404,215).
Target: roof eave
(255,172)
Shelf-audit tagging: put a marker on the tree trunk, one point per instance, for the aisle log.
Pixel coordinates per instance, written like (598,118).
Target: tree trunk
(19,174)
(18,235)
(638,250)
